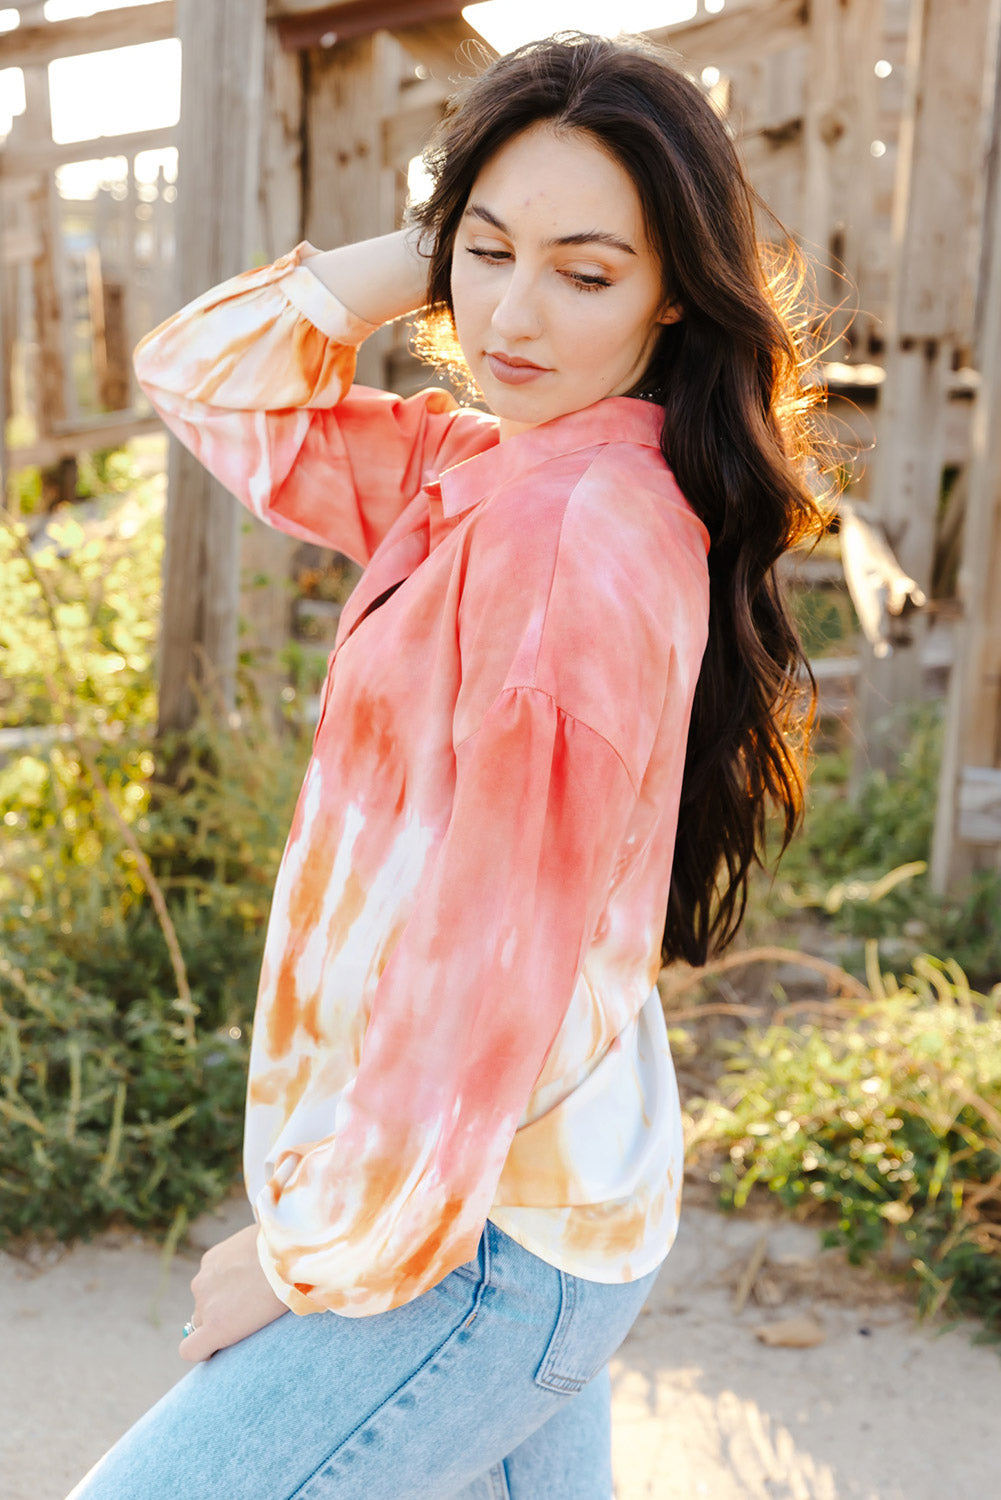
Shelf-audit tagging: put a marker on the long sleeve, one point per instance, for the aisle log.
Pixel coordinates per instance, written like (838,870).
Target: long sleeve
(255,378)
(461,1021)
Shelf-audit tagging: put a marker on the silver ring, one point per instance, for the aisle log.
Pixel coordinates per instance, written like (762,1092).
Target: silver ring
(189,1327)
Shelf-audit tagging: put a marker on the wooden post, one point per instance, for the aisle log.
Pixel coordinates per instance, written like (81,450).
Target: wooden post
(968,815)
(929,317)
(223,50)
(266,554)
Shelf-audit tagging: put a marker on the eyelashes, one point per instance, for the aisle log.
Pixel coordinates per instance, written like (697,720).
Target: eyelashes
(578,279)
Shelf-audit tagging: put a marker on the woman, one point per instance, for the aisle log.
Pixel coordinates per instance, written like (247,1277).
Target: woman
(566,670)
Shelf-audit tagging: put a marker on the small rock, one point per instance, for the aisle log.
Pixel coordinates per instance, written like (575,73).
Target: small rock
(792,1333)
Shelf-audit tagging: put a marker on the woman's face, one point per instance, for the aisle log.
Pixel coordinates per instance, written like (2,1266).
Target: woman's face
(556,290)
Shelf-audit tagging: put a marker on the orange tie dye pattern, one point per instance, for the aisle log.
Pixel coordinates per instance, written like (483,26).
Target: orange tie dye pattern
(457,1015)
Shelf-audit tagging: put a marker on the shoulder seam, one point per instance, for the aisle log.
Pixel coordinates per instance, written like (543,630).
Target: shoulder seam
(530,687)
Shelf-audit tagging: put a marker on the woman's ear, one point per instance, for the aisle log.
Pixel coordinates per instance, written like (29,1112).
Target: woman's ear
(672,313)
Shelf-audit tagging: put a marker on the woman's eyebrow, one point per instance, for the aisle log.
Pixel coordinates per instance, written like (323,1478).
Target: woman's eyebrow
(582,237)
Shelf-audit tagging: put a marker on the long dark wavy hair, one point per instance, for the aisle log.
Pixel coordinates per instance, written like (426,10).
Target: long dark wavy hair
(738,434)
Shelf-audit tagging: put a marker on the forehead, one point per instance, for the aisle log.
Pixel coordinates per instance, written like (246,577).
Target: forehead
(546,177)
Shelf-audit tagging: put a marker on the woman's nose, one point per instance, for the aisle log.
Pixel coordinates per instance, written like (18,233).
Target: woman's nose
(517,314)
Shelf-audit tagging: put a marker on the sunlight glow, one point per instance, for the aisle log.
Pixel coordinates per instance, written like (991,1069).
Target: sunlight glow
(9,20)
(107,93)
(506,26)
(11,97)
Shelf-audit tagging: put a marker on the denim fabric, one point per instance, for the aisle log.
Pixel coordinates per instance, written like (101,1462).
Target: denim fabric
(490,1386)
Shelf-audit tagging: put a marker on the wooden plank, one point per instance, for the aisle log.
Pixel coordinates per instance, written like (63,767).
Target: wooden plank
(283,156)
(21,242)
(37,43)
(932,236)
(349,196)
(219,153)
(942,169)
(439,44)
(405,133)
(100,434)
(729,38)
(973,719)
(839,127)
(980,805)
(46,156)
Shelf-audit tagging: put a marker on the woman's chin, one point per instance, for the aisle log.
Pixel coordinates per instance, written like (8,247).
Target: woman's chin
(527,410)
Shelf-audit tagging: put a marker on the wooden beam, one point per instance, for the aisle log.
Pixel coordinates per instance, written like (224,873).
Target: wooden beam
(357,18)
(40,42)
(45,156)
(278,8)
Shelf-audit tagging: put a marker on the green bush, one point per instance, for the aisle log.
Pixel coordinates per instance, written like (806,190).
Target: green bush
(860,865)
(121,1089)
(89,1003)
(887,1115)
(114,1107)
(79,623)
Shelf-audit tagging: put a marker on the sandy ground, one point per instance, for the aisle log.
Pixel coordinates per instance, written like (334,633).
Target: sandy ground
(883,1408)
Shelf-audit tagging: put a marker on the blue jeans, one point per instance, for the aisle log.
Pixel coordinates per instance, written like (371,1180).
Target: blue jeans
(491,1386)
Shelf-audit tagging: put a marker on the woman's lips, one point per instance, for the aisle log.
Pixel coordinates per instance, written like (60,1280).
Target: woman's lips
(511,373)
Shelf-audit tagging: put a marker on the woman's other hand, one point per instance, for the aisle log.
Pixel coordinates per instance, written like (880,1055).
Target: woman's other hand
(233,1297)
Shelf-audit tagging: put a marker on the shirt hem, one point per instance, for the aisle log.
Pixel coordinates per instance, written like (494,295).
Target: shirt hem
(640,1264)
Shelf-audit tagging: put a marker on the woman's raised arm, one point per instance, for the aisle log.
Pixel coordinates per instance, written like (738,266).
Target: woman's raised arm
(255,378)
(379,279)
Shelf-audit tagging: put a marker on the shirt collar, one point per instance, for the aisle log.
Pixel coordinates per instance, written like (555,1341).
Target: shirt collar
(616,419)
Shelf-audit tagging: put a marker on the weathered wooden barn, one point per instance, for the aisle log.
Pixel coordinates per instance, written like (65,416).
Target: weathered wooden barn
(871,127)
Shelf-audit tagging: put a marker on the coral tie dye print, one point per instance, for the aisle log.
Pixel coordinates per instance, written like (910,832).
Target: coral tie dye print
(457,1016)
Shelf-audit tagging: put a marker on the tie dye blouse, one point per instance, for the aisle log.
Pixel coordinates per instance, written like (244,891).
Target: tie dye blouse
(457,1016)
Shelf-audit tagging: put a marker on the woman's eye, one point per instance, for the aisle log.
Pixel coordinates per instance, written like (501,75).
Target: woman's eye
(489,255)
(588,283)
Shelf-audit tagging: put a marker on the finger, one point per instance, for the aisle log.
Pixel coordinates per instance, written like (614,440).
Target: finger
(197,1346)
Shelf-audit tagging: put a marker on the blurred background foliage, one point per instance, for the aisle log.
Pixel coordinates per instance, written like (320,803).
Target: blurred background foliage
(121,1089)
(121,1098)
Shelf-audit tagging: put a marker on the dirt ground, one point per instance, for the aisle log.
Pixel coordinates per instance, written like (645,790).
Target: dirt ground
(881,1408)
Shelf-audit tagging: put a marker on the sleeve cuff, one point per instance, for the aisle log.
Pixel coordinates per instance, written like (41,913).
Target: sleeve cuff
(294,1301)
(317,303)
